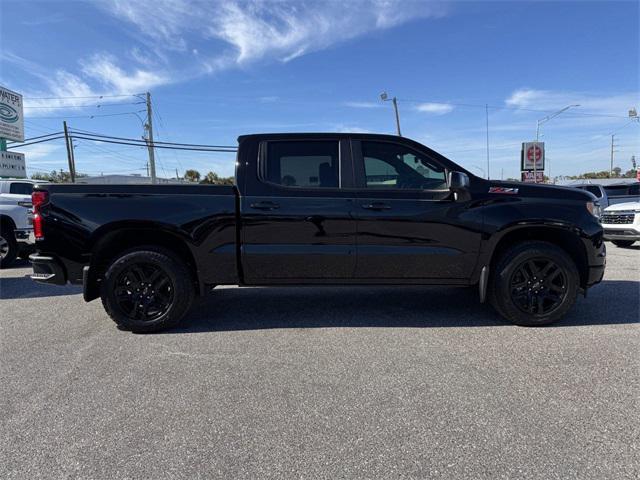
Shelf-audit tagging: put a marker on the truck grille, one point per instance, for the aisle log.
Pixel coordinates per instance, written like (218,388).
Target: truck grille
(621,217)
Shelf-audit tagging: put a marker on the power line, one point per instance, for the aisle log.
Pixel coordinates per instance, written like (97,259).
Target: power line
(230,147)
(36,138)
(37,141)
(99,105)
(84,97)
(155,145)
(92,116)
(505,107)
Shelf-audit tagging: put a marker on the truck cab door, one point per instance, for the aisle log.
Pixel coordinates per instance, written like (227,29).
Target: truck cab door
(410,228)
(297,222)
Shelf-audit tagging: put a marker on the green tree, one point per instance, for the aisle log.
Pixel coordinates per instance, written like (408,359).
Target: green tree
(212,178)
(56,176)
(192,175)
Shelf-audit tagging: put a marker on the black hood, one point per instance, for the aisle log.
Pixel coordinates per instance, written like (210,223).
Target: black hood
(544,190)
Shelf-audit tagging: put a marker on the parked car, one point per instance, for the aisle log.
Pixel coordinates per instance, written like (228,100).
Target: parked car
(621,223)
(15,220)
(317,209)
(612,194)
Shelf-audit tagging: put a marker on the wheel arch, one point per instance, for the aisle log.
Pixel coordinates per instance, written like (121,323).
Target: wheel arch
(567,239)
(6,220)
(117,239)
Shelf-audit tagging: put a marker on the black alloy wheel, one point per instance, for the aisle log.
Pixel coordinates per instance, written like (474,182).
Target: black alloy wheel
(147,289)
(534,283)
(144,291)
(538,286)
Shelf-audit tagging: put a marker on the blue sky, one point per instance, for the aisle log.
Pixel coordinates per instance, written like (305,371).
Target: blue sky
(217,70)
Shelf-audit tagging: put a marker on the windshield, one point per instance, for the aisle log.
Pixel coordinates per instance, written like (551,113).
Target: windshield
(618,190)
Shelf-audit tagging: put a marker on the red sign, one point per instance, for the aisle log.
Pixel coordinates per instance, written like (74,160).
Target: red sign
(532,156)
(538,153)
(528,177)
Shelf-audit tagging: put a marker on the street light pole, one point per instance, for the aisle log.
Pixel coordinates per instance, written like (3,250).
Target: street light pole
(538,123)
(384,97)
(395,108)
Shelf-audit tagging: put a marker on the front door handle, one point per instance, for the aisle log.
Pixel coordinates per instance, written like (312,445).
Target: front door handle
(376,206)
(265,205)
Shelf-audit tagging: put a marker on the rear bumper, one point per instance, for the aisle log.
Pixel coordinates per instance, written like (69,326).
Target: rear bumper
(47,270)
(25,235)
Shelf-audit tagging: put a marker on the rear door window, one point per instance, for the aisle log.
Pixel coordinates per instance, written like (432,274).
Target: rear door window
(306,164)
(21,188)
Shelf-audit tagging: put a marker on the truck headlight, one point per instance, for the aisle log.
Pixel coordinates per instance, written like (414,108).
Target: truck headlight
(593,209)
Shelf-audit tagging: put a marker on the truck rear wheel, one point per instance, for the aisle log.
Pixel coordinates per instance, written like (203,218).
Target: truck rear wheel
(8,246)
(534,283)
(147,290)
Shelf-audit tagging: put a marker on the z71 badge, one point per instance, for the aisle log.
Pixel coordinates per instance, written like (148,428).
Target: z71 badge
(508,191)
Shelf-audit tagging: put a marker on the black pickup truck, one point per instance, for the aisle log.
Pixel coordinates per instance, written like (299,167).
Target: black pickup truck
(311,209)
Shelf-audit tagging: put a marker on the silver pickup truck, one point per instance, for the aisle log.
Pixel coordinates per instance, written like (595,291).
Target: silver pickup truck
(612,194)
(16,229)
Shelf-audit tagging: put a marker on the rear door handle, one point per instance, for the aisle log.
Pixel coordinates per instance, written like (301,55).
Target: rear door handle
(265,205)
(376,206)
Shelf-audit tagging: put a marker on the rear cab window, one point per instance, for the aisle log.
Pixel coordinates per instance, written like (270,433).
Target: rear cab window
(592,189)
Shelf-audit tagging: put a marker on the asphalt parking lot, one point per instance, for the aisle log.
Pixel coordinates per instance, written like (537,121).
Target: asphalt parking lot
(322,383)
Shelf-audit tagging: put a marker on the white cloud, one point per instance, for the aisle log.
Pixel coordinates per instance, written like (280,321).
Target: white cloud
(435,108)
(362,104)
(100,75)
(243,31)
(551,100)
(180,39)
(104,69)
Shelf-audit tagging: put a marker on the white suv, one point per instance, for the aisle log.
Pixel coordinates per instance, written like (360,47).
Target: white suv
(621,223)
(15,220)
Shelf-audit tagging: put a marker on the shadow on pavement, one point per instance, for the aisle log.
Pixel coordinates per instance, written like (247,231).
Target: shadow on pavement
(612,302)
(24,287)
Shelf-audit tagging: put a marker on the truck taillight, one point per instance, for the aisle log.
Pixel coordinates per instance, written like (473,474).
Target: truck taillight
(38,199)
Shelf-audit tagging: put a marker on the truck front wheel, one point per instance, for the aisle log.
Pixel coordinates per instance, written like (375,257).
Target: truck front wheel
(147,290)
(534,283)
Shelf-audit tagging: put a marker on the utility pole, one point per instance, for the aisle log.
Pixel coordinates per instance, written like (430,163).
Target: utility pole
(70,159)
(486,109)
(613,136)
(149,127)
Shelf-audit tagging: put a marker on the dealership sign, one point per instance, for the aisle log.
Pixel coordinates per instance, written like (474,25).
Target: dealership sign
(12,165)
(11,115)
(532,156)
(529,177)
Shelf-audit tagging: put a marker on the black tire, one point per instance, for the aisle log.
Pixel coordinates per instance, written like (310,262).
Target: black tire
(8,246)
(623,243)
(147,290)
(522,289)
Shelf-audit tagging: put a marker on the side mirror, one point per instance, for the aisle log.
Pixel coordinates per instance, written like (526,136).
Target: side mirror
(459,185)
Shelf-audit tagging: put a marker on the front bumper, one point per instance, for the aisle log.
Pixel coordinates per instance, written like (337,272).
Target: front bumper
(621,232)
(47,269)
